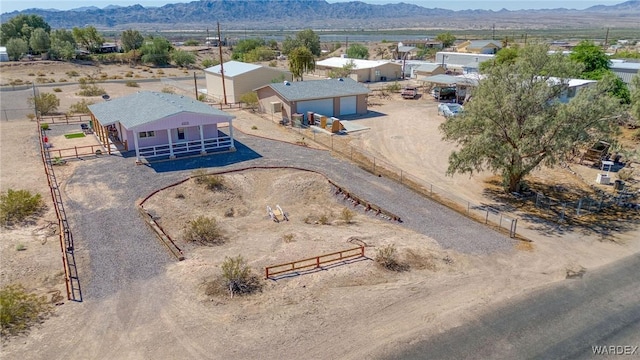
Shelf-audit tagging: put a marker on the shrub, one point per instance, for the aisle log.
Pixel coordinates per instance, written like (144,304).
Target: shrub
(81,107)
(72,73)
(45,103)
(62,80)
(57,90)
(17,205)
(202,97)
(207,63)
(128,74)
(636,135)
(132,84)
(324,219)
(347,215)
(204,230)
(273,63)
(395,87)
(211,182)
(254,127)
(288,238)
(21,247)
(44,126)
(19,310)
(238,277)
(91,90)
(167,90)
(387,258)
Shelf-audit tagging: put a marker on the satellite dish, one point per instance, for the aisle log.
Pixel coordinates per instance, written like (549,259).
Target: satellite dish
(400,44)
(106,97)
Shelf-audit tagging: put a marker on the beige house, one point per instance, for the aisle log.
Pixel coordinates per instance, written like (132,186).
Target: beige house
(428,70)
(479,47)
(362,70)
(239,79)
(332,98)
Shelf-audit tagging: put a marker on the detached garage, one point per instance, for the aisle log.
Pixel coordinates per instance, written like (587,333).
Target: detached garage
(332,97)
(239,79)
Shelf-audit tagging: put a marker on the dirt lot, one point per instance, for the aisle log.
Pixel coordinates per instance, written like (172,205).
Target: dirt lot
(359,309)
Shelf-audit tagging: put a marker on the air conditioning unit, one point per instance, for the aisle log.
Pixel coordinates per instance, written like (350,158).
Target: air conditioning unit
(276,107)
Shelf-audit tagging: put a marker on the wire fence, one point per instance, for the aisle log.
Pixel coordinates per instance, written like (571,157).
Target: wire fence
(377,165)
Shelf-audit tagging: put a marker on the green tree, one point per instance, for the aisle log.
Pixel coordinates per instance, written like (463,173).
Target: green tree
(45,103)
(343,72)
(301,60)
(305,38)
(131,40)
(357,51)
(250,99)
(62,50)
(16,47)
(40,41)
(183,58)
(515,123)
(21,27)
(63,35)
(88,37)
(156,51)
(503,56)
(245,46)
(272,44)
(591,56)
(446,38)
(261,53)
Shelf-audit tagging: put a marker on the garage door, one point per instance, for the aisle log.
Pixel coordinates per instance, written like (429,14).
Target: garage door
(348,105)
(324,107)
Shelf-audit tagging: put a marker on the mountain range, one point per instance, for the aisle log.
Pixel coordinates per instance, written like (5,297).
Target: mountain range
(319,14)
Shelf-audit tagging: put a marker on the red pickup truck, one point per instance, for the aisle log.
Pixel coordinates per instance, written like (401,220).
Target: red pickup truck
(409,92)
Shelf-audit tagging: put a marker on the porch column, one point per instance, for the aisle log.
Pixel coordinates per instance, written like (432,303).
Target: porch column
(232,147)
(171,156)
(135,143)
(202,150)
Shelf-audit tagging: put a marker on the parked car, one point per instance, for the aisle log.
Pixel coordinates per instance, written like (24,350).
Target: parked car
(448,110)
(443,93)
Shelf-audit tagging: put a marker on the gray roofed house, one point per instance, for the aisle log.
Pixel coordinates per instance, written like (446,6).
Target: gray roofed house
(331,97)
(160,125)
(460,61)
(625,70)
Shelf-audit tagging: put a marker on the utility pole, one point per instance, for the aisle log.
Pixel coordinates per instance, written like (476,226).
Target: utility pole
(195,84)
(207,40)
(346,44)
(494,32)
(224,89)
(606,39)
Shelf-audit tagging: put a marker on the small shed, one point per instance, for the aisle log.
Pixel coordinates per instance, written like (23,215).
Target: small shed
(332,97)
(239,79)
(363,70)
(160,125)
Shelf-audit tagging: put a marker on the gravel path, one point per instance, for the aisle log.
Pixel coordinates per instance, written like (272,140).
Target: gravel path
(111,232)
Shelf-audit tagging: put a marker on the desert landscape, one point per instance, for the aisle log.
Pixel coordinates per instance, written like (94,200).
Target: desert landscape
(139,302)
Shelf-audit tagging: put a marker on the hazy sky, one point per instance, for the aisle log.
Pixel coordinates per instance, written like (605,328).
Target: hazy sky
(11,5)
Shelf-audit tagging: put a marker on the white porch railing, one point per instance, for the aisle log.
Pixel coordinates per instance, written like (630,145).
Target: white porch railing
(185,147)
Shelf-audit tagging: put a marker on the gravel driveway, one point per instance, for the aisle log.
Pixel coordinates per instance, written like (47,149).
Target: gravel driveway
(111,232)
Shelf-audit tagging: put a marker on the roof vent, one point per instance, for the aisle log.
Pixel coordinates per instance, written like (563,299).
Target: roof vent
(340,79)
(287,83)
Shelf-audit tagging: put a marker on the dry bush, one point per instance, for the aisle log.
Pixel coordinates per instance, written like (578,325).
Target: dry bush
(238,277)
(204,230)
(132,84)
(323,220)
(230,212)
(289,238)
(211,182)
(347,215)
(387,258)
(625,174)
